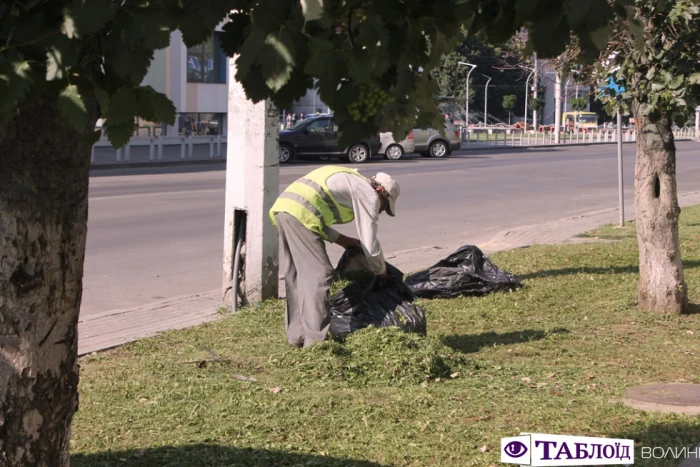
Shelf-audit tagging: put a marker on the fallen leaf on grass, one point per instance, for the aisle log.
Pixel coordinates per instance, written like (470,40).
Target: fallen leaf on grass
(551,375)
(484,448)
(525,379)
(454,375)
(276,390)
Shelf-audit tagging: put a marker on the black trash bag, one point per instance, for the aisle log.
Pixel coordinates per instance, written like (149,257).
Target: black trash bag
(465,272)
(373,302)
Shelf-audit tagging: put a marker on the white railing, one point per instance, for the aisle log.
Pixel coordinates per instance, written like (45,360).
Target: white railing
(496,136)
(160,148)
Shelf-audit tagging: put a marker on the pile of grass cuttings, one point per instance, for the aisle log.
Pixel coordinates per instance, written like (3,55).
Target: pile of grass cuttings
(375,355)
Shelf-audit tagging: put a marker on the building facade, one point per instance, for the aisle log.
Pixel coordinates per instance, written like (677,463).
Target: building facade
(196,81)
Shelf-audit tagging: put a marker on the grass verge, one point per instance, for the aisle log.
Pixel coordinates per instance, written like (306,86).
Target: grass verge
(555,357)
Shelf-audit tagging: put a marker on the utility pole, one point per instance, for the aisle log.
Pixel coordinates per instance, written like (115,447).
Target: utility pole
(620,179)
(697,123)
(534,95)
(557,105)
(252,185)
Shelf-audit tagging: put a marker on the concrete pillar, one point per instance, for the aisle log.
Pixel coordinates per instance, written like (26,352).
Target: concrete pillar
(557,106)
(697,123)
(252,186)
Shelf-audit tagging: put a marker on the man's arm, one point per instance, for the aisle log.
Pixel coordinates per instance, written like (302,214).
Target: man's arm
(366,216)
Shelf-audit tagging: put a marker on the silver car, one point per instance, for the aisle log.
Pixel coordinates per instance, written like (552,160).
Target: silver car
(430,143)
(394,151)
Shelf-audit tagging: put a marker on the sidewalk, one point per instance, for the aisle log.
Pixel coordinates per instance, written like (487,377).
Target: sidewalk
(115,327)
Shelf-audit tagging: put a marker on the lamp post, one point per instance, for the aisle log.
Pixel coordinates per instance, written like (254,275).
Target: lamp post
(466,97)
(527,93)
(566,94)
(486,97)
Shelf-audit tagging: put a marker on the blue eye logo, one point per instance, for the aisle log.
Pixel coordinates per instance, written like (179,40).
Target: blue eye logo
(515,449)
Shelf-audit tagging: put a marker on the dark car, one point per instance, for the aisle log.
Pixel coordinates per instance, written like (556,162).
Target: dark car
(317,138)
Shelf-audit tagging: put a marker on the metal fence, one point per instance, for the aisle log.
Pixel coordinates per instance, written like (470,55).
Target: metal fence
(519,137)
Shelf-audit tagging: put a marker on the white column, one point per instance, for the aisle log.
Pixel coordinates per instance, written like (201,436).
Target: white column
(252,186)
(697,123)
(557,106)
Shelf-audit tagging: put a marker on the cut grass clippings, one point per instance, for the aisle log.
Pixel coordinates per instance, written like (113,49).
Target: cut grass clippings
(553,357)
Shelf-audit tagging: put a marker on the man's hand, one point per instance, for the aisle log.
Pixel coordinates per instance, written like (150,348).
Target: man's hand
(348,242)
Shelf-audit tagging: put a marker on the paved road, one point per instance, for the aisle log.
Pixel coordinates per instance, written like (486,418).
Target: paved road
(158,232)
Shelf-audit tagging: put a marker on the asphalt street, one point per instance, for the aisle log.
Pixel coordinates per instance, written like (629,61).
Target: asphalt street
(155,233)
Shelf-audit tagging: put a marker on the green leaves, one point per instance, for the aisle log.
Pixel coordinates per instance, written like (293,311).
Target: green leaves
(128,103)
(235,33)
(83,17)
(509,101)
(61,56)
(154,106)
(72,107)
(17,77)
(197,18)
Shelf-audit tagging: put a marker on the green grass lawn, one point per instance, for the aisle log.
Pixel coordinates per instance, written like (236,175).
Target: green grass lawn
(554,357)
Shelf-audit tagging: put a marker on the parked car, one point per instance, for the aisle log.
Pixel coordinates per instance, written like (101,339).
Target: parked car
(393,151)
(430,143)
(317,137)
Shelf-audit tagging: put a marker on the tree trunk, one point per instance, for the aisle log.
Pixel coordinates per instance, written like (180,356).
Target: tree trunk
(662,287)
(44,166)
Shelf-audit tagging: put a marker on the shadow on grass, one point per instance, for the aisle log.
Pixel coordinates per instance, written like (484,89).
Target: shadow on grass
(691,264)
(470,343)
(208,455)
(693,309)
(581,270)
(673,434)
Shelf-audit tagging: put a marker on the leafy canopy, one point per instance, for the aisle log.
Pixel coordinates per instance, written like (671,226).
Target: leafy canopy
(509,102)
(536,103)
(352,47)
(578,104)
(657,62)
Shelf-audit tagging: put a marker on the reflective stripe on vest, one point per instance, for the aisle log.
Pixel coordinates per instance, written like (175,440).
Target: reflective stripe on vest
(310,201)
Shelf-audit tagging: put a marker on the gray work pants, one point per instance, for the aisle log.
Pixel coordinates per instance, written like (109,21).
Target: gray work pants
(307,278)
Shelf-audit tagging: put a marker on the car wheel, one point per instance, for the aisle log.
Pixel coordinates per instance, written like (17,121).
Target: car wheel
(286,153)
(394,152)
(439,149)
(358,153)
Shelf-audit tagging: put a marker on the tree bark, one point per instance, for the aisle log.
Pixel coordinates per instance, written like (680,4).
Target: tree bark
(662,287)
(44,168)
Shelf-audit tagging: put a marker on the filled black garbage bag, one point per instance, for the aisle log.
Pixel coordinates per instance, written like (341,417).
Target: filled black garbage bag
(465,272)
(371,301)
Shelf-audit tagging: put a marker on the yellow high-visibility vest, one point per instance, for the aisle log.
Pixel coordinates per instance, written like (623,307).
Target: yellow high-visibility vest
(310,201)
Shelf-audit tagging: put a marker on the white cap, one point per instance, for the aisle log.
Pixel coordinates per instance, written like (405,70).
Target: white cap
(392,189)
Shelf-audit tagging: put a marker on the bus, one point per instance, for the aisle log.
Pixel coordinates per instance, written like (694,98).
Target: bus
(586,120)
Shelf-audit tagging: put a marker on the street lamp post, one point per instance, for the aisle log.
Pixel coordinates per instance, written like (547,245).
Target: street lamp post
(486,98)
(566,94)
(466,97)
(527,93)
